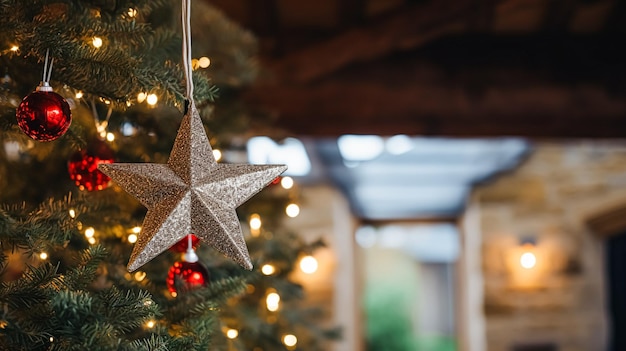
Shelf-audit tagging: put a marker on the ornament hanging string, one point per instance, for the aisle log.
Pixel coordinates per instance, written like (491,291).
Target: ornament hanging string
(186,24)
(47,72)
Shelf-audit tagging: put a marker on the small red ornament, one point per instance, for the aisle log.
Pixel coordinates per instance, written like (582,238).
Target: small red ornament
(83,166)
(186,276)
(183,244)
(43,114)
(276,180)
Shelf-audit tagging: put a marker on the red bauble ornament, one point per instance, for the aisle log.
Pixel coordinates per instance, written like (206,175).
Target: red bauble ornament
(44,115)
(183,244)
(83,166)
(185,276)
(276,180)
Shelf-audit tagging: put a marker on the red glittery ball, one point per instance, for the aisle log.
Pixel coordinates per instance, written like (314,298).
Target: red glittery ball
(276,180)
(185,276)
(182,245)
(44,115)
(83,166)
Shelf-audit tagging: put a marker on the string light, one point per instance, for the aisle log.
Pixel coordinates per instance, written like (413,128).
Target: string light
(79,94)
(96,42)
(90,232)
(15,48)
(110,136)
(51,339)
(152,99)
(141,97)
(255,224)
(132,12)
(43,255)
(290,340)
(292,210)
(272,301)
(217,154)
(286,182)
(194,64)
(232,333)
(139,276)
(308,264)
(72,213)
(91,240)
(132,238)
(268,269)
(204,62)
(151,323)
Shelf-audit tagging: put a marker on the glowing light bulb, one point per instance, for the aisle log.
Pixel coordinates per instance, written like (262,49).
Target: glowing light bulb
(286,182)
(15,48)
(91,240)
(136,230)
(528,260)
(290,340)
(194,64)
(268,269)
(217,154)
(308,264)
(96,42)
(132,13)
(79,94)
(255,222)
(292,210)
(152,99)
(110,136)
(150,324)
(89,232)
(204,62)
(141,97)
(272,301)
(139,276)
(232,333)
(72,213)
(43,255)
(132,238)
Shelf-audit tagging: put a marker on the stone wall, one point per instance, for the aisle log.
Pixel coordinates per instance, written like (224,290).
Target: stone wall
(548,200)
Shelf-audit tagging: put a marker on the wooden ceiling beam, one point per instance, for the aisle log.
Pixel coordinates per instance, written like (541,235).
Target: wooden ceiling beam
(407,28)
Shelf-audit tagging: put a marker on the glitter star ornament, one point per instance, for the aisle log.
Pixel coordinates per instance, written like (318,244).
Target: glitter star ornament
(192,193)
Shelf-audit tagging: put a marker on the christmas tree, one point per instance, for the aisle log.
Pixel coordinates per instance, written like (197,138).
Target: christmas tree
(67,233)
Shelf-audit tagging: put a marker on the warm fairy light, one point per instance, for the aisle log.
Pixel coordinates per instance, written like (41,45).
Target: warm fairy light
(132,238)
(15,48)
(51,339)
(308,264)
(89,232)
(72,213)
(194,64)
(204,62)
(286,182)
(91,240)
(255,221)
(528,260)
(132,13)
(217,154)
(79,94)
(292,210)
(268,269)
(152,99)
(174,293)
(272,301)
(141,97)
(151,323)
(232,333)
(110,136)
(136,230)
(43,255)
(139,276)
(96,42)
(290,340)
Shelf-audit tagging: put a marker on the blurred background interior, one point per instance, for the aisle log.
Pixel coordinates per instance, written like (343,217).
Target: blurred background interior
(464,159)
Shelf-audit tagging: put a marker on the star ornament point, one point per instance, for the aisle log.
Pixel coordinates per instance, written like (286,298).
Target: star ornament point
(192,193)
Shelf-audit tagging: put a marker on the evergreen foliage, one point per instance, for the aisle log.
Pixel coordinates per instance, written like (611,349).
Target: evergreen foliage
(79,296)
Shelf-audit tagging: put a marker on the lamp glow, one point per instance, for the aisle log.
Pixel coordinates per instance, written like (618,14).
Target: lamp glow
(152,99)
(272,301)
(132,238)
(96,42)
(268,269)
(292,210)
(286,182)
(528,260)
(290,340)
(232,333)
(308,264)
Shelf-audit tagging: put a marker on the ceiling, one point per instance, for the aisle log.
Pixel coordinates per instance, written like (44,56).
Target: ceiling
(534,68)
